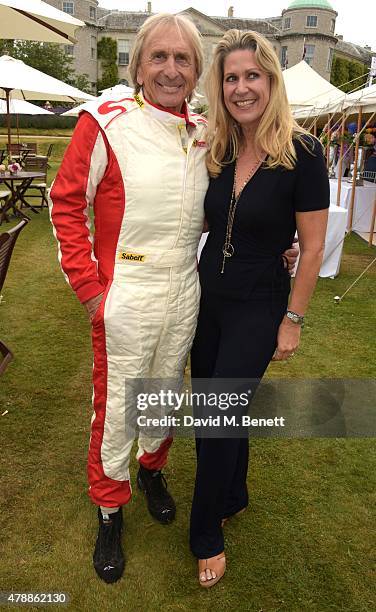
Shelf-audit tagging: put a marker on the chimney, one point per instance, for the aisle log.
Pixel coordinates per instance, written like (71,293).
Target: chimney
(230,11)
(149,7)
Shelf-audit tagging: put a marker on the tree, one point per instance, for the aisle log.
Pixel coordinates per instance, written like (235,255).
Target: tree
(348,75)
(81,81)
(107,53)
(358,74)
(340,72)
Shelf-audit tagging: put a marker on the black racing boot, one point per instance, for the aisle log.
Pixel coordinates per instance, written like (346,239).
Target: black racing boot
(160,503)
(108,556)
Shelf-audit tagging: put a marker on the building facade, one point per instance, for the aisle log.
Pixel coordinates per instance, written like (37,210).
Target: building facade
(305,30)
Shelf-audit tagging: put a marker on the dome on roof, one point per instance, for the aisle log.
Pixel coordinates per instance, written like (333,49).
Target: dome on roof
(323,4)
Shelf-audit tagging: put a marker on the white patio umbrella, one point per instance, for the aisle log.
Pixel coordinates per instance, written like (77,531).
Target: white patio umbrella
(117,89)
(36,20)
(21,107)
(28,83)
(106,94)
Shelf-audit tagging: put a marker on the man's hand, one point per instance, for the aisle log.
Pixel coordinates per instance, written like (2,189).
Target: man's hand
(92,305)
(292,255)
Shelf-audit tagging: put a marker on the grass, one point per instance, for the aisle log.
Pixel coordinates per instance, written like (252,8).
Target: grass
(306,541)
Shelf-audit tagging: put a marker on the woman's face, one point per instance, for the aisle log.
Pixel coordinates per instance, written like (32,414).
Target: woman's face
(246,88)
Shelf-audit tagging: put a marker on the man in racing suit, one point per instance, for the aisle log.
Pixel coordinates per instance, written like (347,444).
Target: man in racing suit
(139,161)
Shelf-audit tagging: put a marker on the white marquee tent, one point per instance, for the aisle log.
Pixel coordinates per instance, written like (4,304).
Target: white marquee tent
(365,98)
(309,93)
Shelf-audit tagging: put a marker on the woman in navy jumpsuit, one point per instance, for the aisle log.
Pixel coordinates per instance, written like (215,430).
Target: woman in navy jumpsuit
(275,188)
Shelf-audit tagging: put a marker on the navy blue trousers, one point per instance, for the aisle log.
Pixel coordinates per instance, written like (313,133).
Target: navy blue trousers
(234,339)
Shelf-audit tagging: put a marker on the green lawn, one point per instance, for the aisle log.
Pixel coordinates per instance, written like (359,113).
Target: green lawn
(306,542)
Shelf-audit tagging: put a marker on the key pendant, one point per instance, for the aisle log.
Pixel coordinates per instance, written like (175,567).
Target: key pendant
(228,249)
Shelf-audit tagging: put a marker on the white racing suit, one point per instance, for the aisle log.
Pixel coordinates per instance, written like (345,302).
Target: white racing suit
(142,169)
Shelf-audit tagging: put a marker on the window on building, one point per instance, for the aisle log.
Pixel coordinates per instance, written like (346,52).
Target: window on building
(284,57)
(311,21)
(287,23)
(93,47)
(69,50)
(93,13)
(330,60)
(332,25)
(309,54)
(68,7)
(123,52)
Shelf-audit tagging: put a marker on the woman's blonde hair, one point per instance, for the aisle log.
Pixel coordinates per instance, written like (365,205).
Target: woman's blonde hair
(277,127)
(185,26)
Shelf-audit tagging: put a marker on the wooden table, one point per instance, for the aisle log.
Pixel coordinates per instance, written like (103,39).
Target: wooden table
(18,184)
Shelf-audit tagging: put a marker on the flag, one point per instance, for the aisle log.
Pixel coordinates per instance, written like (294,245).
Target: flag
(304,49)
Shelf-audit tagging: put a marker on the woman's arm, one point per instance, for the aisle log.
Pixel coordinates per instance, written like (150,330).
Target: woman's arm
(311,228)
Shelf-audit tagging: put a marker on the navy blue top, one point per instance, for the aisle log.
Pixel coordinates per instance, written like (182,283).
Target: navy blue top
(264,224)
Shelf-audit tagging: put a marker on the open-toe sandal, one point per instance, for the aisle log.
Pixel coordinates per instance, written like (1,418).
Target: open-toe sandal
(216,565)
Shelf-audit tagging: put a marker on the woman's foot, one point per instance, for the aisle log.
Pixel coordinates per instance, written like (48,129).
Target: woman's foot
(211,570)
(236,514)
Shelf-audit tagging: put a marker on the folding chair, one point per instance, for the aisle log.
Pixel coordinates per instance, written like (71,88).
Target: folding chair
(15,149)
(369,175)
(48,154)
(35,164)
(4,196)
(7,242)
(32,147)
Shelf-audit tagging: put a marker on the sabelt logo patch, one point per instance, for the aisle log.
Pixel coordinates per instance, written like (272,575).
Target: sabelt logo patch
(136,257)
(138,100)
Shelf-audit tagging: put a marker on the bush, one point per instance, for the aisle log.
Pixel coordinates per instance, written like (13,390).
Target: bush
(42,122)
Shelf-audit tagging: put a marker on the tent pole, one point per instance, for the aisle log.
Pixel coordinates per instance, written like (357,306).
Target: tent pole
(328,143)
(372,228)
(355,171)
(7,92)
(340,161)
(18,128)
(315,128)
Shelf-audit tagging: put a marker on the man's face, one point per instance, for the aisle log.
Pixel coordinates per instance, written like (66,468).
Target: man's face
(167,71)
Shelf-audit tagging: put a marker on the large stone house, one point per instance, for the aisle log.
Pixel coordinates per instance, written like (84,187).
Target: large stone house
(306,29)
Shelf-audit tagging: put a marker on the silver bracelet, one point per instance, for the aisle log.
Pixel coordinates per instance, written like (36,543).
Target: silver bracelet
(295,317)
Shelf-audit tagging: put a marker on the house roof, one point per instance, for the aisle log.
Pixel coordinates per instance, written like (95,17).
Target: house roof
(323,4)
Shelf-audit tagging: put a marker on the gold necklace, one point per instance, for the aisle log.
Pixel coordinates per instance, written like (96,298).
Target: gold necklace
(228,249)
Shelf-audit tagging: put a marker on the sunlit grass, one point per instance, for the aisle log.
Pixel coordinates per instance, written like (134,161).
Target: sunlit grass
(307,539)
